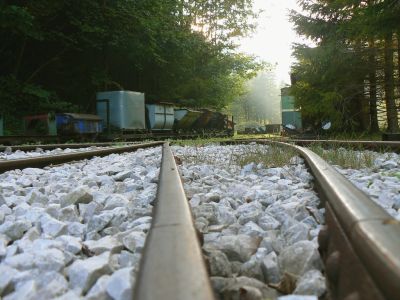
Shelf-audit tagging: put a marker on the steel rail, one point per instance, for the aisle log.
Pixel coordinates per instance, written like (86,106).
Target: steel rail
(61,146)
(172,266)
(372,145)
(366,229)
(372,232)
(42,161)
(375,145)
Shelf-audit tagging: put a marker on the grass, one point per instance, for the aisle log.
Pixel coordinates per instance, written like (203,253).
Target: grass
(346,158)
(199,142)
(360,136)
(268,156)
(276,156)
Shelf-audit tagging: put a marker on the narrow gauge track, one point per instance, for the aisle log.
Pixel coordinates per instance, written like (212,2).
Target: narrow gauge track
(360,245)
(172,266)
(42,161)
(370,145)
(137,137)
(367,145)
(55,146)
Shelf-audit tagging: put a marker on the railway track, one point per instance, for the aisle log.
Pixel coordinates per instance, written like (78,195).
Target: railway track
(359,237)
(367,145)
(370,145)
(106,139)
(55,146)
(42,161)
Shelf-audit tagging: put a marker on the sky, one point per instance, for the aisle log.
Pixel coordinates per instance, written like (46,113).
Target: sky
(274,36)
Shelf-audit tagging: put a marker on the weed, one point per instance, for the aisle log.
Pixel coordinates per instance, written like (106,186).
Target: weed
(268,156)
(346,158)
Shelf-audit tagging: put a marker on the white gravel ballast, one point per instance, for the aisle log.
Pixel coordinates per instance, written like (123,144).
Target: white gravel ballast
(9,154)
(381,181)
(76,230)
(259,224)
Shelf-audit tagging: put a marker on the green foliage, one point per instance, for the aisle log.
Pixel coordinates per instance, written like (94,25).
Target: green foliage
(56,51)
(335,77)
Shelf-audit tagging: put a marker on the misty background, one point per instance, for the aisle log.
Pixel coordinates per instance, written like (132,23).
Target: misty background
(261,104)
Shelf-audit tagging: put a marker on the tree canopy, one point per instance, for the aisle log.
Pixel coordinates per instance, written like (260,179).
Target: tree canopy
(349,77)
(56,54)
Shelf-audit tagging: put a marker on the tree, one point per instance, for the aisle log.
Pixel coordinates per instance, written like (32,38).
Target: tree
(57,54)
(346,68)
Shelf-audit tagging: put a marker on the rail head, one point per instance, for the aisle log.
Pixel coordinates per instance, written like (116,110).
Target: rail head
(172,266)
(373,233)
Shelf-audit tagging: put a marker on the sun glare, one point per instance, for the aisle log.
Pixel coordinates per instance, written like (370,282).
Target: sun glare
(274,36)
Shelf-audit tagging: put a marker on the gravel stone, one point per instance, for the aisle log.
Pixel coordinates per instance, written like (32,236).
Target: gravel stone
(270,268)
(105,244)
(6,275)
(311,283)
(79,195)
(299,258)
(99,289)
(134,241)
(237,287)
(120,284)
(52,227)
(15,230)
(218,263)
(84,273)
(237,248)
(71,244)
(25,291)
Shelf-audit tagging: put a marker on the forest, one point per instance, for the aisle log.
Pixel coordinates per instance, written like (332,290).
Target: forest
(56,54)
(351,75)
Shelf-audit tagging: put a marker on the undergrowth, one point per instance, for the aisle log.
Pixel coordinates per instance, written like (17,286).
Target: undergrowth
(268,156)
(346,158)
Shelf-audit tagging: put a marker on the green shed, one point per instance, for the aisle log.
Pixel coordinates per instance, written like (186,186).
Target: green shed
(290,115)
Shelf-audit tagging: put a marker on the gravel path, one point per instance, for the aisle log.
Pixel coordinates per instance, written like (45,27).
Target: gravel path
(76,229)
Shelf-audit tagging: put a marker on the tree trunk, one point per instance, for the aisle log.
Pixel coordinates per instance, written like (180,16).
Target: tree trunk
(360,105)
(373,112)
(398,64)
(19,58)
(391,109)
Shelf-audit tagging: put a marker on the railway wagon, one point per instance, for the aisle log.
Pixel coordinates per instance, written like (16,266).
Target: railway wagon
(120,113)
(185,118)
(121,110)
(126,111)
(160,116)
(63,124)
(78,124)
(291,116)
